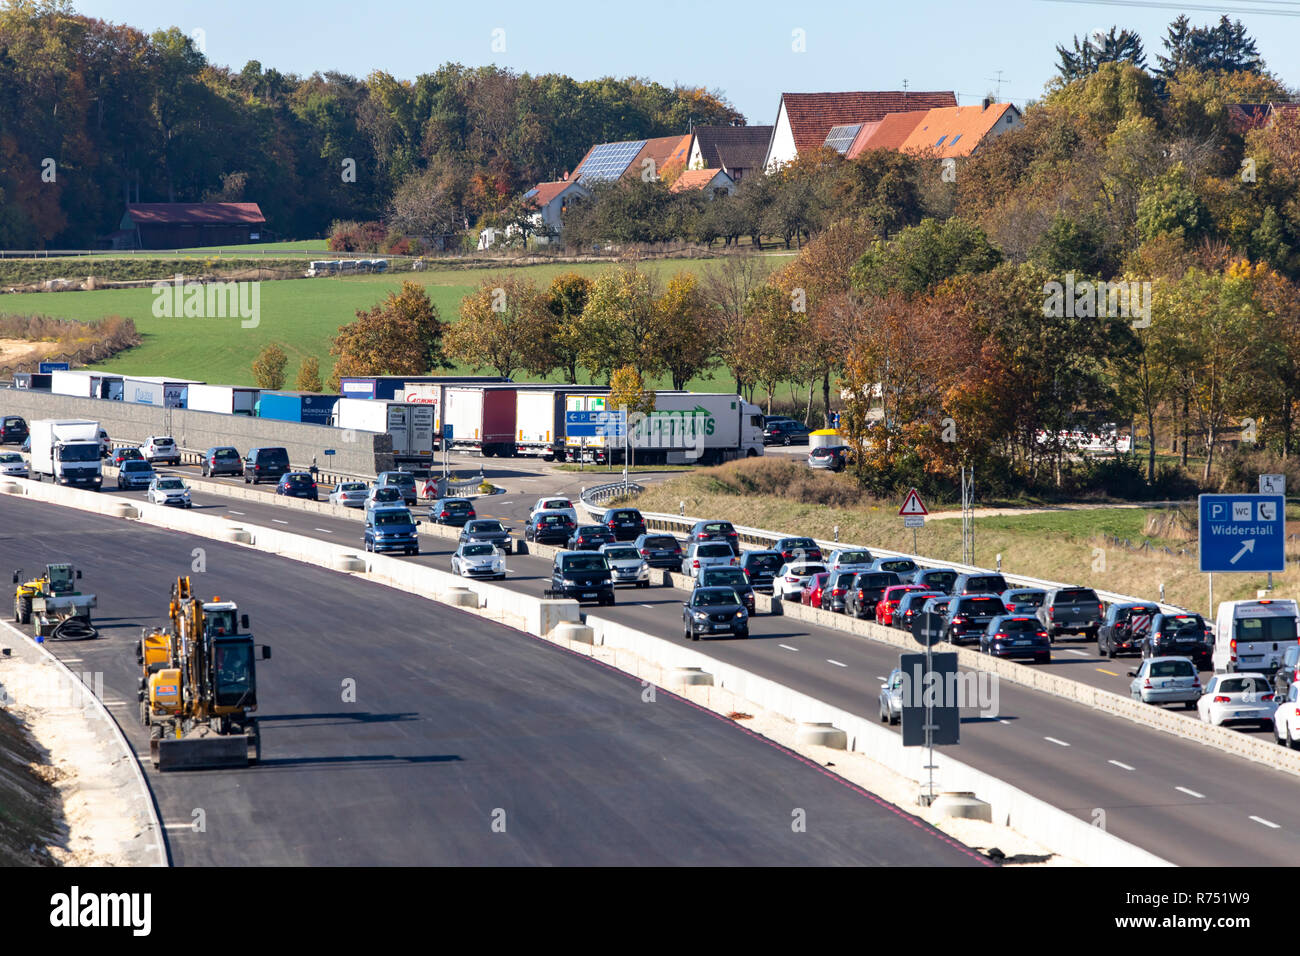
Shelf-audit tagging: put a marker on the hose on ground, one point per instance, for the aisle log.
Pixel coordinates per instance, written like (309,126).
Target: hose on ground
(74,629)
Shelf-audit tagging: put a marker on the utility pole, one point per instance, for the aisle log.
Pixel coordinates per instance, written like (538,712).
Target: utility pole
(967,515)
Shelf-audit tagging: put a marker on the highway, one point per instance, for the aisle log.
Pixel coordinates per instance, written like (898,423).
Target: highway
(456,724)
(1186,802)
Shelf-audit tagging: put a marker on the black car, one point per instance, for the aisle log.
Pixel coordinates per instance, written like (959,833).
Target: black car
(969,616)
(798,549)
(785,433)
(939,579)
(487,531)
(909,605)
(221,460)
(1284,676)
(835,593)
(1125,628)
(733,578)
(582,576)
(298,484)
(589,537)
(979,583)
(714,611)
(1013,636)
(549,528)
(13,430)
(660,551)
(452,511)
(1180,635)
(866,590)
(626,524)
(265,464)
(761,567)
(710,531)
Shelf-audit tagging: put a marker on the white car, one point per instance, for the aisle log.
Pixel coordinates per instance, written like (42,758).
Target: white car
(1286,719)
(850,559)
(555,506)
(1237,699)
(789,581)
(708,554)
(478,560)
(12,463)
(626,565)
(169,490)
(350,494)
(160,449)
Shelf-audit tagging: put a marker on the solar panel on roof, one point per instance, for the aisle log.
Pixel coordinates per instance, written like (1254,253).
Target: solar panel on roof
(940,140)
(609,160)
(954,139)
(840,138)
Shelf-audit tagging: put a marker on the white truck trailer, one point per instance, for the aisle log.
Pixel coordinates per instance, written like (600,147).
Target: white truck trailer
(684,428)
(225,399)
(85,384)
(67,451)
(409,424)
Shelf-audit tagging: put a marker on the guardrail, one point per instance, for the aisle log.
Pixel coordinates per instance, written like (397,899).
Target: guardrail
(598,493)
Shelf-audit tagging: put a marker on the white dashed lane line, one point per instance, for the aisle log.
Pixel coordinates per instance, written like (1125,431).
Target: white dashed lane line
(1122,766)
(278,521)
(1075,650)
(326,530)
(788,647)
(1061,743)
(836,663)
(1190,793)
(240,513)
(1267,823)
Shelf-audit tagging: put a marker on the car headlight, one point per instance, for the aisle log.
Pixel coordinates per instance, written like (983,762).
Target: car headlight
(700,615)
(569,584)
(739,615)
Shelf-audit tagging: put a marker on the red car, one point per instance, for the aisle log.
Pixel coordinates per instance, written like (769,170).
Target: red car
(125,453)
(811,593)
(889,601)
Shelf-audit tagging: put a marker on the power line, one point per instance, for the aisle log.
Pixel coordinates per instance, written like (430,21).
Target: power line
(1294,10)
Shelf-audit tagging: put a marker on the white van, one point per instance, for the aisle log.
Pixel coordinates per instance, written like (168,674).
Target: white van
(1253,635)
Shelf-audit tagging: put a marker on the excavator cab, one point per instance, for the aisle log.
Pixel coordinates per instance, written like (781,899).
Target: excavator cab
(60,578)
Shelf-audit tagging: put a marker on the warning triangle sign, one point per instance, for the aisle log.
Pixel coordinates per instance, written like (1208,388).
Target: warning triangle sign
(912,505)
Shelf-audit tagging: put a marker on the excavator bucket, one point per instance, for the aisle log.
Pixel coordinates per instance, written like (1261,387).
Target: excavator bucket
(200,753)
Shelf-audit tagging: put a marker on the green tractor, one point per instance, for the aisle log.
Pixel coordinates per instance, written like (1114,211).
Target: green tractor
(52,600)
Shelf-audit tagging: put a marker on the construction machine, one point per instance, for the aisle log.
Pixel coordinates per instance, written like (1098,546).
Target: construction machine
(53,603)
(198,686)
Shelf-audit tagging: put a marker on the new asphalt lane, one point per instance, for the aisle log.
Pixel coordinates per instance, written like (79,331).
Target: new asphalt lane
(398,731)
(1186,802)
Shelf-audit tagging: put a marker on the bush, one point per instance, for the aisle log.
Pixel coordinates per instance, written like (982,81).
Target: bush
(348,235)
(1241,468)
(487,488)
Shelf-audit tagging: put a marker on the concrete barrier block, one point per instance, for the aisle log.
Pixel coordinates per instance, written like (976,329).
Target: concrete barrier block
(460,597)
(963,804)
(822,733)
(574,632)
(348,562)
(123,509)
(688,677)
(238,535)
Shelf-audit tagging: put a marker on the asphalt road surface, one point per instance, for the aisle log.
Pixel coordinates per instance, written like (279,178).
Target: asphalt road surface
(1186,802)
(466,743)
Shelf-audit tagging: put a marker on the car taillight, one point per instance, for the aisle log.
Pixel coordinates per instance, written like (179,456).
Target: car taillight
(695,563)
(1147,682)
(1011,609)
(837,591)
(1220,699)
(1267,697)
(999,634)
(1042,633)
(645,553)
(791,579)
(611,525)
(445,514)
(959,619)
(1051,612)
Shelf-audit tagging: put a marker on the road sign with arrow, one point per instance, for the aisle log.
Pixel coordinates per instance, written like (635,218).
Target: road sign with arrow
(1242,533)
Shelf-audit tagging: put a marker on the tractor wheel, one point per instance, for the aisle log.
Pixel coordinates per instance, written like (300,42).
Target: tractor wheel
(23,610)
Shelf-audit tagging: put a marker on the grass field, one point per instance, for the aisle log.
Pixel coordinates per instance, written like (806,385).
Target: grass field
(1069,545)
(302,315)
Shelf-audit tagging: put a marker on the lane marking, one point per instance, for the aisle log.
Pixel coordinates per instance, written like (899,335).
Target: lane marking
(651,606)
(788,647)
(1104,671)
(1122,766)
(1003,720)
(1267,823)
(836,663)
(236,512)
(1055,741)
(1190,793)
(326,530)
(1075,650)
(278,521)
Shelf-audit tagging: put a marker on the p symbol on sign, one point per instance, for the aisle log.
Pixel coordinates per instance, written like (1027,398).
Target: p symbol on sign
(1217,512)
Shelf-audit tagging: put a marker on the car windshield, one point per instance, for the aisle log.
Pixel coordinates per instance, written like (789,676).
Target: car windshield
(880,579)
(763,562)
(163,441)
(1243,685)
(732,577)
(585,562)
(714,597)
(456,506)
(713,551)
(1181,624)
(220,622)
(392,517)
(986,605)
(715,526)
(986,582)
(592,529)
(843,580)
(623,554)
(625,516)
(133,465)
(170,484)
(1027,598)
(225,453)
(661,541)
(1020,624)
(10,457)
(387,494)
(401,479)
(86,452)
(553,519)
(352,486)
(804,570)
(1171,669)
(273,459)
(806,544)
(902,564)
(940,579)
(476,550)
(297,479)
(487,527)
(556,504)
(1266,629)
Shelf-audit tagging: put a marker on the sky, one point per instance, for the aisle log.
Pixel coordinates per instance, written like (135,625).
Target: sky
(751,51)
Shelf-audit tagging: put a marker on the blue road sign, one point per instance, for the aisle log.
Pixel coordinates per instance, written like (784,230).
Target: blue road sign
(594,424)
(45,368)
(1242,533)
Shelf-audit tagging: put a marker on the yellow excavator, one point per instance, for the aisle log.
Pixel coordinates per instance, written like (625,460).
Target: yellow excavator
(198,687)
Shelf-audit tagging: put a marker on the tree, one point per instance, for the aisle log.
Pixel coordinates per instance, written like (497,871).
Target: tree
(627,390)
(268,367)
(309,375)
(619,324)
(422,206)
(500,326)
(727,290)
(772,331)
(920,256)
(1222,48)
(684,336)
(400,336)
(1087,57)
(566,300)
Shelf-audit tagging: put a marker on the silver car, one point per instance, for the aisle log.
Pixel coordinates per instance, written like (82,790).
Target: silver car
(626,565)
(891,698)
(169,490)
(350,494)
(709,554)
(13,464)
(478,560)
(850,559)
(1238,699)
(1166,680)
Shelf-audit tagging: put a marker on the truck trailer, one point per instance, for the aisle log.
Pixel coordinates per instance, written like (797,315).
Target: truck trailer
(156,390)
(308,407)
(85,384)
(224,399)
(411,426)
(67,451)
(481,418)
(539,418)
(683,428)
(389,387)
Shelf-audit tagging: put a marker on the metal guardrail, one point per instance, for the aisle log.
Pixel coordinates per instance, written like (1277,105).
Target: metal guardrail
(613,489)
(681,524)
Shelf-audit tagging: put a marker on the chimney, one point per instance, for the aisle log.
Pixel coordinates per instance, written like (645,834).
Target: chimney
(988,101)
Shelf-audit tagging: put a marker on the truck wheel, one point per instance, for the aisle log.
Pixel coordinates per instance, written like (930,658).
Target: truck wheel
(23,610)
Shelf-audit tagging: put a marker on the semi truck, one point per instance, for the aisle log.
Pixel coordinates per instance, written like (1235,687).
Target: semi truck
(308,407)
(683,428)
(67,451)
(224,399)
(84,384)
(156,390)
(481,418)
(539,419)
(411,426)
(389,387)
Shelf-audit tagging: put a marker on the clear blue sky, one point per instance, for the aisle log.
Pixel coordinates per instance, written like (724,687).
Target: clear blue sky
(933,44)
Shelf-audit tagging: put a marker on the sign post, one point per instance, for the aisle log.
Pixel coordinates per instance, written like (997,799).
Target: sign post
(913,512)
(926,723)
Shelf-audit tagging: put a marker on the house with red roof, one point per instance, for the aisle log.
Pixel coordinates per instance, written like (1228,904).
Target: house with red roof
(712,182)
(803,120)
(958,131)
(632,159)
(737,150)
